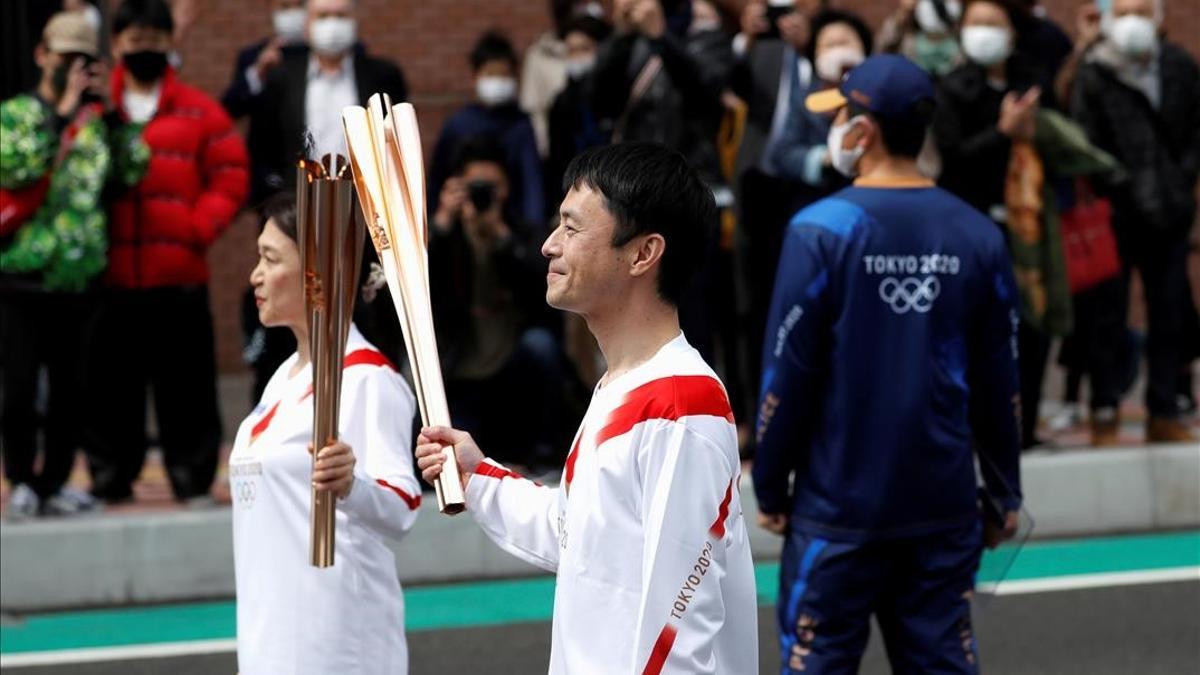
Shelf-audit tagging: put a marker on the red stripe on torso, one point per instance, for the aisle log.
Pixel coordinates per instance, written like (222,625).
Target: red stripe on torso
(662,647)
(263,423)
(569,472)
(717,530)
(367,357)
(358,357)
(668,398)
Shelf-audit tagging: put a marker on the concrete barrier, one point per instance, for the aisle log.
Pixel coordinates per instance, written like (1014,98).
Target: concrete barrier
(126,559)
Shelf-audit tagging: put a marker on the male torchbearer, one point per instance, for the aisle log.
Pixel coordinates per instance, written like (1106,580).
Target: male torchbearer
(645,532)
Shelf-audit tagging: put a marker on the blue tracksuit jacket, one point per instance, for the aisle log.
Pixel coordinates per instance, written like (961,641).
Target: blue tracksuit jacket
(890,356)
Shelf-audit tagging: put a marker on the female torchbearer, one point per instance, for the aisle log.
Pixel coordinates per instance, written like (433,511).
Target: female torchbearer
(293,617)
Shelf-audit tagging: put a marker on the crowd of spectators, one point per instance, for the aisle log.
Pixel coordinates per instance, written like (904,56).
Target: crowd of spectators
(118,178)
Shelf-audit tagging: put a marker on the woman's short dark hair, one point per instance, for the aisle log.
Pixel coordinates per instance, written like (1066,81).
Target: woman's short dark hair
(829,17)
(493,46)
(596,29)
(649,188)
(1018,14)
(281,207)
(147,13)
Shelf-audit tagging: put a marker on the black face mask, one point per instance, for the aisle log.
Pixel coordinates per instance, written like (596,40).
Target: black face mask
(146,66)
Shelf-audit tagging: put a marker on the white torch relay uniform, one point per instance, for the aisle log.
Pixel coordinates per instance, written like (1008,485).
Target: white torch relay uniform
(293,618)
(645,532)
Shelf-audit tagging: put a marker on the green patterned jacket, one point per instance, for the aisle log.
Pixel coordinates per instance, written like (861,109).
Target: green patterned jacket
(65,241)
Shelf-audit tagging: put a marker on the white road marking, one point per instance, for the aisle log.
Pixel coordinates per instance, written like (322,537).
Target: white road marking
(1074,582)
(198,647)
(123,653)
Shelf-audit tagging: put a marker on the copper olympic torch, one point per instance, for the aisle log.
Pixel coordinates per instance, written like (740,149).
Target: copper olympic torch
(331,244)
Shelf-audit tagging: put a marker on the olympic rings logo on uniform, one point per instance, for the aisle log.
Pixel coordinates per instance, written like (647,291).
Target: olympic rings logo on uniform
(910,293)
(245,492)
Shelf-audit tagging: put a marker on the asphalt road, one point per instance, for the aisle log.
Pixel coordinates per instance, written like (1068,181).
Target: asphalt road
(1144,630)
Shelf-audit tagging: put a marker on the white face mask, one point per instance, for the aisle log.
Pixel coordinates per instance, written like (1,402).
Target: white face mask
(844,160)
(140,106)
(289,24)
(928,19)
(835,61)
(986,45)
(332,35)
(1133,34)
(577,68)
(494,91)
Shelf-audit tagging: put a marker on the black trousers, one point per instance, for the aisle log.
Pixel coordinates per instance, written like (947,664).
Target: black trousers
(1097,348)
(767,205)
(1033,348)
(162,339)
(1161,260)
(41,330)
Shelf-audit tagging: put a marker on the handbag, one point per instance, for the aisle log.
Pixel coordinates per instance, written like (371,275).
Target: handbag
(1089,244)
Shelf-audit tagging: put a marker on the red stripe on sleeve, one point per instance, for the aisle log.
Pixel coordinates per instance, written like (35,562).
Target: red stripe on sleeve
(662,647)
(718,527)
(492,471)
(410,500)
(669,398)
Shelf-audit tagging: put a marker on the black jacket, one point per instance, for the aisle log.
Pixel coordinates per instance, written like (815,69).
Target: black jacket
(522,272)
(755,79)
(1160,149)
(277,113)
(681,108)
(974,153)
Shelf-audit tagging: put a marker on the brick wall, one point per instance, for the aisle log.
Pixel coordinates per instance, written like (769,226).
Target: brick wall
(430,40)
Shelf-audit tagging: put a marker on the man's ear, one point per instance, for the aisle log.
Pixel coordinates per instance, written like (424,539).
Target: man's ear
(868,132)
(647,254)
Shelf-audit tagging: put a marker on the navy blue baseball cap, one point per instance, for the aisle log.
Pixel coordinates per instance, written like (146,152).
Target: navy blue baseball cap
(887,85)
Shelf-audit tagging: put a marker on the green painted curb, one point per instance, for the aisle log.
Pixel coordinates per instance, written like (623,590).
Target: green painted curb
(531,600)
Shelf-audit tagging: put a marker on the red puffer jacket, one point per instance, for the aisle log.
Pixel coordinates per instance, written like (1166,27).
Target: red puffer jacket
(160,231)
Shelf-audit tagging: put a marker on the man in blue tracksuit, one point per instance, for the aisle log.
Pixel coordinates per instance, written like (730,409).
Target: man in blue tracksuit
(889,358)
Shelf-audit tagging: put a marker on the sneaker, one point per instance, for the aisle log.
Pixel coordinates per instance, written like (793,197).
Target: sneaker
(23,504)
(71,502)
(1068,417)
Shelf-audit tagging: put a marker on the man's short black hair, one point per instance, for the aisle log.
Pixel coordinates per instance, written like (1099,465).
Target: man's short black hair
(905,135)
(493,46)
(147,13)
(649,188)
(478,149)
(829,17)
